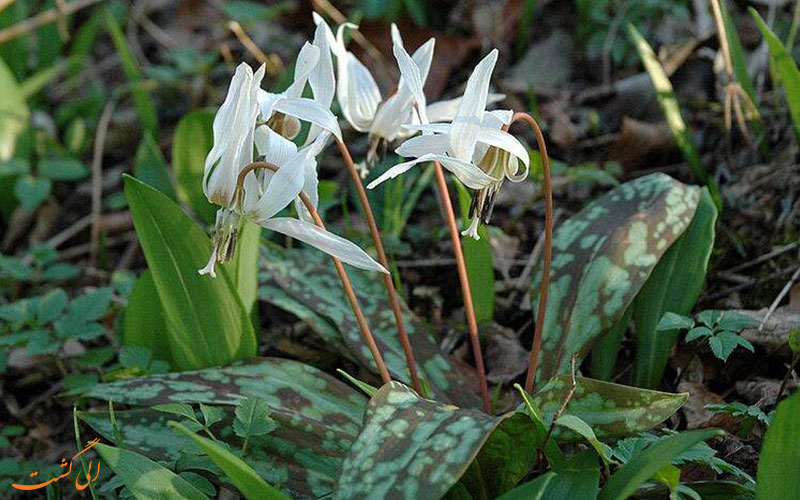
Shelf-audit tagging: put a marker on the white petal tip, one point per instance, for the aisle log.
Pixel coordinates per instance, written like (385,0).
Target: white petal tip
(472,230)
(210,267)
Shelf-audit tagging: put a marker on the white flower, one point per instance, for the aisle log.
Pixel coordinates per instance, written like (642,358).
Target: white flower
(361,101)
(233,136)
(473,147)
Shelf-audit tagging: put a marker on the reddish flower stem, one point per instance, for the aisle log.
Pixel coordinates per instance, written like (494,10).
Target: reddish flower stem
(388,283)
(340,270)
(461,265)
(547,188)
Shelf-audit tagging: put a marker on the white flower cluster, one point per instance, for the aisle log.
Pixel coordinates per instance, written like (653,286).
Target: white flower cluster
(255,125)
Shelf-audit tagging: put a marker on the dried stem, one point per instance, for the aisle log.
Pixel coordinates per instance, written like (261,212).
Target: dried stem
(455,237)
(46,17)
(547,189)
(272,62)
(348,287)
(97,179)
(387,278)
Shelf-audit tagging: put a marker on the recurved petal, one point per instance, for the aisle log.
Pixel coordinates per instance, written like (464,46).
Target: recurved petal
(412,79)
(321,78)
(336,246)
(281,189)
(424,144)
(273,147)
(310,111)
(306,62)
(398,169)
(468,173)
(466,124)
(357,92)
(505,141)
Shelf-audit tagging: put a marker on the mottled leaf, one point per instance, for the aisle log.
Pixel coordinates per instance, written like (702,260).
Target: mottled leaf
(414,448)
(309,278)
(318,418)
(610,409)
(252,418)
(602,257)
(673,286)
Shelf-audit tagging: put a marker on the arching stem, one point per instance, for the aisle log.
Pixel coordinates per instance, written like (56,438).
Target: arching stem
(348,287)
(388,283)
(461,265)
(547,190)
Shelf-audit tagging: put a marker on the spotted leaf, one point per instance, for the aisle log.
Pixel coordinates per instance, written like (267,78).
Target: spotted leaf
(601,258)
(610,409)
(317,416)
(415,448)
(312,291)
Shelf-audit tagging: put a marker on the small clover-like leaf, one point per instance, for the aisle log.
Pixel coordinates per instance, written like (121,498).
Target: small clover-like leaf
(211,414)
(92,306)
(709,317)
(252,418)
(698,332)
(735,322)
(181,409)
(131,356)
(672,321)
(50,306)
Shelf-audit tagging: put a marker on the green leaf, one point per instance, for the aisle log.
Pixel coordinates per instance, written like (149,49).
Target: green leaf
(14,112)
(143,323)
(576,479)
(606,349)
(644,465)
(135,357)
(780,454)
(191,143)
(145,107)
(252,418)
(786,68)
(250,12)
(150,166)
(610,409)
(478,258)
(669,104)
(304,282)
(532,490)
(318,418)
(207,323)
(62,169)
(709,317)
(602,257)
(242,475)
(145,478)
(673,287)
(672,321)
(735,322)
(411,447)
(698,332)
(31,191)
(211,414)
(50,306)
(243,268)
(181,409)
(580,427)
(91,306)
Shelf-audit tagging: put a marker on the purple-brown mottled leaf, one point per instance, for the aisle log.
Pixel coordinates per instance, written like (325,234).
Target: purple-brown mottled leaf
(414,448)
(601,258)
(305,283)
(318,418)
(610,409)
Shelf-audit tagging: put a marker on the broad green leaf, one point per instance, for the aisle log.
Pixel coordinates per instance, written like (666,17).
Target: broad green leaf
(577,479)
(532,490)
(555,457)
(674,287)
(191,143)
(478,258)
(318,418)
(601,258)
(143,322)
(669,104)
(786,68)
(644,465)
(150,166)
(145,107)
(610,409)
(243,268)
(303,279)
(14,112)
(411,447)
(207,324)
(147,479)
(31,191)
(242,475)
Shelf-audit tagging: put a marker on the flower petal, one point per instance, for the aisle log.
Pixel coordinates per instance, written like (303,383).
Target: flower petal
(306,62)
(466,124)
(336,246)
(281,189)
(472,176)
(424,144)
(310,111)
(321,78)
(410,76)
(505,141)
(357,92)
(396,170)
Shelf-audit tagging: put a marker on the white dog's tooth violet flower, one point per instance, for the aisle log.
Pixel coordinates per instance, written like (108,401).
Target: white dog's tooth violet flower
(473,147)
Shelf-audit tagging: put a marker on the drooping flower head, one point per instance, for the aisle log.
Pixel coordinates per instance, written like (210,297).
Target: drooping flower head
(473,146)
